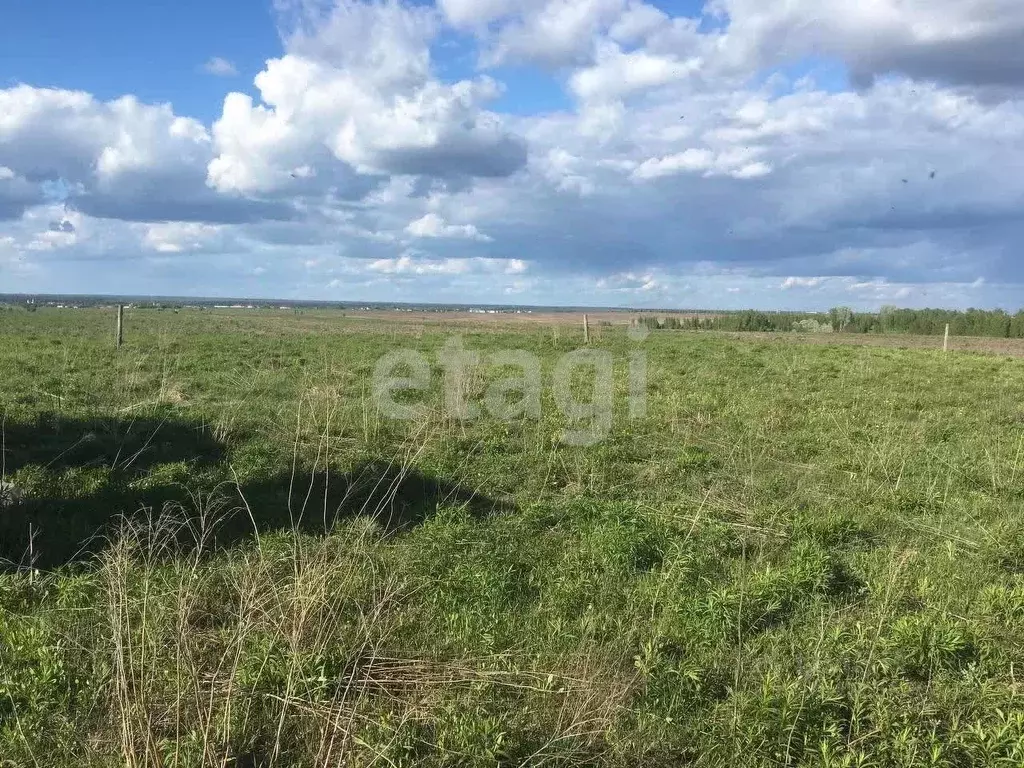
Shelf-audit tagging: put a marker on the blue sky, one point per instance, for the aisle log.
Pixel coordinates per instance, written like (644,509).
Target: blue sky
(544,151)
(152,50)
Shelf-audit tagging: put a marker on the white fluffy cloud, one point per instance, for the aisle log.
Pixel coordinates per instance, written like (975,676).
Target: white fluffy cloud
(801,282)
(629,282)
(176,237)
(49,134)
(220,67)
(738,163)
(119,159)
(973,42)
(412,264)
(356,96)
(552,33)
(616,73)
(693,161)
(432,225)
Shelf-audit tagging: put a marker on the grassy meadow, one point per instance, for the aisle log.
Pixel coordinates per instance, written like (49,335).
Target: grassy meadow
(217,551)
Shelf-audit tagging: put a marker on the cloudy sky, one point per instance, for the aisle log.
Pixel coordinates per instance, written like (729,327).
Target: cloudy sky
(669,153)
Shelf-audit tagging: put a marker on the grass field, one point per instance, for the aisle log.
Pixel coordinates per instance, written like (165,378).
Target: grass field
(221,553)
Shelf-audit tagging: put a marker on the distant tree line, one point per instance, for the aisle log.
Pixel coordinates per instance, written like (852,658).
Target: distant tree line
(972,322)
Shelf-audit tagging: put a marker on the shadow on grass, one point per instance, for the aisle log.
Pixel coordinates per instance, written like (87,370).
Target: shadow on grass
(95,472)
(125,447)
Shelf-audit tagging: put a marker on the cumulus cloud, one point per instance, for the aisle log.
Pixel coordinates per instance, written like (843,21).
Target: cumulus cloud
(972,42)
(738,163)
(17,194)
(879,289)
(176,237)
(412,264)
(432,225)
(49,134)
(355,94)
(801,282)
(478,14)
(629,282)
(559,33)
(220,67)
(616,73)
(119,159)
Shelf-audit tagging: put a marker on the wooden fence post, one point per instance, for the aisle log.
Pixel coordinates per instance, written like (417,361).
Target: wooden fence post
(586,330)
(945,340)
(120,325)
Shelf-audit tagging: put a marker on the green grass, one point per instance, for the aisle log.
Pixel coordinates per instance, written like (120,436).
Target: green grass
(222,554)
